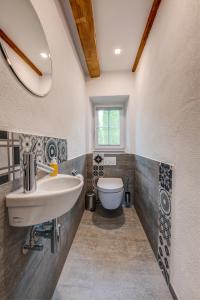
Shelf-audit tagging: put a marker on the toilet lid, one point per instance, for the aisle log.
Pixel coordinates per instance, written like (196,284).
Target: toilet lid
(110,184)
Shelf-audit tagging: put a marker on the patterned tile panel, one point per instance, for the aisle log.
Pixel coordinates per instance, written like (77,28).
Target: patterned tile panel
(164,240)
(13,145)
(9,157)
(45,148)
(97,168)
(98,165)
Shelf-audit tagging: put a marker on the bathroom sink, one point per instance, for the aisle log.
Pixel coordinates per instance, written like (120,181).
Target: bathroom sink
(53,197)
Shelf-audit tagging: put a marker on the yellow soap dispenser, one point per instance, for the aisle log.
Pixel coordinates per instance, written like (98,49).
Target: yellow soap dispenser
(54,165)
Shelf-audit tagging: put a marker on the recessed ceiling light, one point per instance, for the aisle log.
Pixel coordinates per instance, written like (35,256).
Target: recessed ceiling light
(43,55)
(118,51)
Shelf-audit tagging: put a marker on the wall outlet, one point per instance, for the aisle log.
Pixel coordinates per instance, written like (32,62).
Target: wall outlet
(110,161)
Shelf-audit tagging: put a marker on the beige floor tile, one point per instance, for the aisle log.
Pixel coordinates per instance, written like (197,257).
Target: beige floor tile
(111,259)
(69,292)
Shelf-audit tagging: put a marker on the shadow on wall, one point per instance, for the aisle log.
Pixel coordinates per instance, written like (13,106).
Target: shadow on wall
(108,220)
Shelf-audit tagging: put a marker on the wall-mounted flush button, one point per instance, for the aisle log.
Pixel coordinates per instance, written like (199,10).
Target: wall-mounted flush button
(110,161)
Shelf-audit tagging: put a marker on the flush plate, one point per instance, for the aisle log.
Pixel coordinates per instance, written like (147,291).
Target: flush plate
(110,161)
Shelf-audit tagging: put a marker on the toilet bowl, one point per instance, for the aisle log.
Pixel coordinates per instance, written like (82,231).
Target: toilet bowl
(110,192)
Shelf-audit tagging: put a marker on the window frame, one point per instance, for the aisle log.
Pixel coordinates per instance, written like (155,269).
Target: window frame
(120,147)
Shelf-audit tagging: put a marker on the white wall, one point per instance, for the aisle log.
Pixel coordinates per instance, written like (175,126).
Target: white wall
(62,113)
(113,84)
(167,95)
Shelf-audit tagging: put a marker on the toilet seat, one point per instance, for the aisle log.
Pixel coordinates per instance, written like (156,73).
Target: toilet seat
(110,185)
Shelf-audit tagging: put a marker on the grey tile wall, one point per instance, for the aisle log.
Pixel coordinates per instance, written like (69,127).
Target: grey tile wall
(90,171)
(146,197)
(152,200)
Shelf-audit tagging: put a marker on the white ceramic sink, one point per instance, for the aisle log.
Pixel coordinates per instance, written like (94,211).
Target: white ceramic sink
(54,197)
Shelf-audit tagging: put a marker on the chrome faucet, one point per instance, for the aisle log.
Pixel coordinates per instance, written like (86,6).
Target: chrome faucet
(30,166)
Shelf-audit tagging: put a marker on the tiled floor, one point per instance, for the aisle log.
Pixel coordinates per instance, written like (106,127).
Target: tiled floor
(111,259)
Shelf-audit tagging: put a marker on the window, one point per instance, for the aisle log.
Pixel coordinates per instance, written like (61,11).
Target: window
(109,128)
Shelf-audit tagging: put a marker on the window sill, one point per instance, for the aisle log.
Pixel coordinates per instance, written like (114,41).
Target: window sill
(113,150)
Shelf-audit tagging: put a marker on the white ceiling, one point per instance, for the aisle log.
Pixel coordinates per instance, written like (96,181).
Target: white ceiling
(119,24)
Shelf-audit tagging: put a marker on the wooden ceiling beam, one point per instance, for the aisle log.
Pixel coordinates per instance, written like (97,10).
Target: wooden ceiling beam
(147,30)
(83,16)
(18,51)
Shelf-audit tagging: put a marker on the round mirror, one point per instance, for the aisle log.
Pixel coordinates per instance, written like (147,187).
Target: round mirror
(24,45)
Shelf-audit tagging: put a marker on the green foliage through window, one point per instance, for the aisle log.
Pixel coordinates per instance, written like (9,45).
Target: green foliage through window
(108,127)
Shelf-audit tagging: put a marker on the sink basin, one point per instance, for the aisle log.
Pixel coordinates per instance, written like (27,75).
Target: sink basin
(54,197)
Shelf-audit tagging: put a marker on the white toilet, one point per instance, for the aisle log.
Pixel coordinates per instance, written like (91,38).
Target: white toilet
(110,191)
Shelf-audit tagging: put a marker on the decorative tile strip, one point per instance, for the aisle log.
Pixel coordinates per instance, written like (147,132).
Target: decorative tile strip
(164,240)
(98,165)
(13,145)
